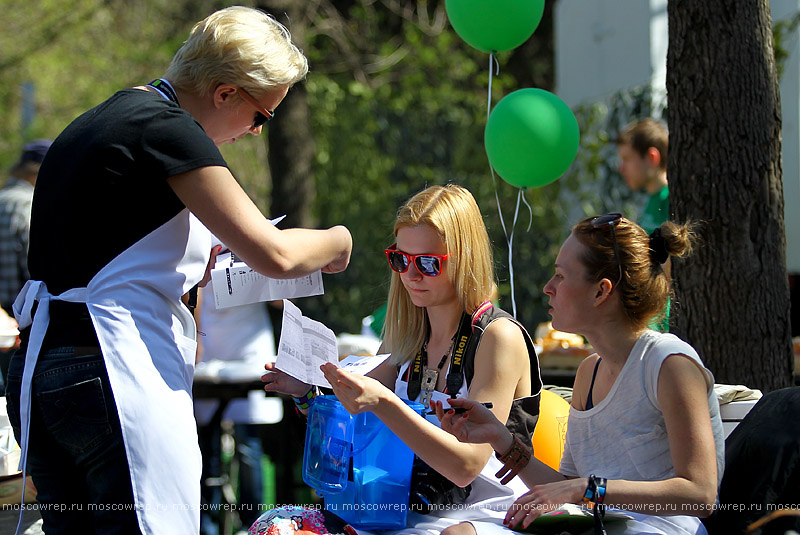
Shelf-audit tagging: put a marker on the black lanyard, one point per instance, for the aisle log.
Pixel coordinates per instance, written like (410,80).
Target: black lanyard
(165,89)
(455,377)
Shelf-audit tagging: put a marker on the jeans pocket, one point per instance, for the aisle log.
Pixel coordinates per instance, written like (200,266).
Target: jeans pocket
(77,415)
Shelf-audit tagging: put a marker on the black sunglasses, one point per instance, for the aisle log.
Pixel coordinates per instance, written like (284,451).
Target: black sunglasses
(611,220)
(429,265)
(262,114)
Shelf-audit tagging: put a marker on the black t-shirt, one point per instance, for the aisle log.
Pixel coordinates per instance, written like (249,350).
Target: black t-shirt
(102,186)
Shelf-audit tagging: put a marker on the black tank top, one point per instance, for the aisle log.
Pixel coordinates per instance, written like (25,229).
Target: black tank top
(589,402)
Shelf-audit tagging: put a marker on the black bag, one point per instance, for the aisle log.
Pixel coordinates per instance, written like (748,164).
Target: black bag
(431,491)
(762,467)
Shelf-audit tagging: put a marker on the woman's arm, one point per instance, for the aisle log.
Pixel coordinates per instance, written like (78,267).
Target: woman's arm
(214,196)
(682,395)
(497,365)
(480,426)
(385,373)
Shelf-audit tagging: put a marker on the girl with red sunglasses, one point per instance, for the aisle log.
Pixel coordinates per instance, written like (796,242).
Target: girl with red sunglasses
(446,340)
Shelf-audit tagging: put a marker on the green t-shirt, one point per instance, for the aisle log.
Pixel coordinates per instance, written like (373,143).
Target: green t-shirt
(656,211)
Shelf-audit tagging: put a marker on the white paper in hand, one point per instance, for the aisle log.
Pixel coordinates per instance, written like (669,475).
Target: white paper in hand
(362,365)
(305,345)
(236,283)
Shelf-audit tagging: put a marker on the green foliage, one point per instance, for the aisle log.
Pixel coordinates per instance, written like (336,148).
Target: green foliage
(66,56)
(781,31)
(409,116)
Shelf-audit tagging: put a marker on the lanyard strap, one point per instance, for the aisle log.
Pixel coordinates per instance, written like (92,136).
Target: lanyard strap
(165,89)
(455,377)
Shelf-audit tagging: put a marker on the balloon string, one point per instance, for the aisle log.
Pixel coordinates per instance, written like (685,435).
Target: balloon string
(530,210)
(492,63)
(510,255)
(495,65)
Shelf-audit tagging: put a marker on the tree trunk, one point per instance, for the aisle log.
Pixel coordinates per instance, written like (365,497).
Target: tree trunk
(732,295)
(290,153)
(290,150)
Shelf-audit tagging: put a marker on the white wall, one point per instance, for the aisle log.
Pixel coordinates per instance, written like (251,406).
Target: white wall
(790,113)
(602,46)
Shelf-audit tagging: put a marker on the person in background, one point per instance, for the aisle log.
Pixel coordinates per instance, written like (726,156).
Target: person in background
(15,216)
(100,392)
(642,149)
(644,432)
(240,335)
(446,340)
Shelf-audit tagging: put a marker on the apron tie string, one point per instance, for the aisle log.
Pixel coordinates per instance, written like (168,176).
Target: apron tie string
(23,305)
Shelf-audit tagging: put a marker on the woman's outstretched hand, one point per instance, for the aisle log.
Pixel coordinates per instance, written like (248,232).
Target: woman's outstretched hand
(357,393)
(477,425)
(543,499)
(277,381)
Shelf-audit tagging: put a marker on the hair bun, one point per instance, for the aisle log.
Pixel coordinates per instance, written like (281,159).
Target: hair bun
(658,247)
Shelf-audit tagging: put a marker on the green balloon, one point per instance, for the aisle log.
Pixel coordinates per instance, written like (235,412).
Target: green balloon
(494,25)
(531,138)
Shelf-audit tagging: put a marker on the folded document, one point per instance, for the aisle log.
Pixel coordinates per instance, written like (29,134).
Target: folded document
(235,283)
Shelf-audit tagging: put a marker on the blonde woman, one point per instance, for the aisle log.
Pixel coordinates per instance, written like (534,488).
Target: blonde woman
(99,394)
(439,308)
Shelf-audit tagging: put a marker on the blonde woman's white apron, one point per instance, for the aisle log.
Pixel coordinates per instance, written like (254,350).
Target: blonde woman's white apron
(147,337)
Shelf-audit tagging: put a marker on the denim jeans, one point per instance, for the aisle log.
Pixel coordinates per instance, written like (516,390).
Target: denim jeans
(76,454)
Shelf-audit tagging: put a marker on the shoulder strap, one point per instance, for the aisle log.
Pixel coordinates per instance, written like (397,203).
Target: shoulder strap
(481,323)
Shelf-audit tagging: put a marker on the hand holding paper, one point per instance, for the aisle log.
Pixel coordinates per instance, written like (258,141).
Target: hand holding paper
(305,345)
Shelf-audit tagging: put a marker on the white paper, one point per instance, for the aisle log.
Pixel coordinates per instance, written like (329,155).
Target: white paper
(305,345)
(361,365)
(235,283)
(238,284)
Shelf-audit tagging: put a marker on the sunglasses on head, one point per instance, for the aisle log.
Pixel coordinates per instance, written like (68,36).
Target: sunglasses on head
(429,265)
(262,114)
(610,220)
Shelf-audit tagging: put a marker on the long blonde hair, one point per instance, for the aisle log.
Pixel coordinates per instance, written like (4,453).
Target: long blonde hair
(453,213)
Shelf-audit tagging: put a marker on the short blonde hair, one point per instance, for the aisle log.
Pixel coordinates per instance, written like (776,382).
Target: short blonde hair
(239,46)
(453,213)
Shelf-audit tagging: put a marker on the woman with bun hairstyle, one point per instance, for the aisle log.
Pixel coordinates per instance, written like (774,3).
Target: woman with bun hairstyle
(644,432)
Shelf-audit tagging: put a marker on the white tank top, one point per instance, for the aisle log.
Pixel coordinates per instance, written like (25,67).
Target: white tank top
(625,436)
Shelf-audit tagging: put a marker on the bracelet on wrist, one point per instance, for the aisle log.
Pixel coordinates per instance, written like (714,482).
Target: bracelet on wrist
(514,460)
(304,402)
(595,490)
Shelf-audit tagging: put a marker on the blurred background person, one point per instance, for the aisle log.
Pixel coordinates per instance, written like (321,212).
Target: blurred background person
(15,218)
(241,335)
(642,150)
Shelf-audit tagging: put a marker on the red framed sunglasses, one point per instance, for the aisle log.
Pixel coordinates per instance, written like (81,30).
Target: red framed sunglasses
(429,265)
